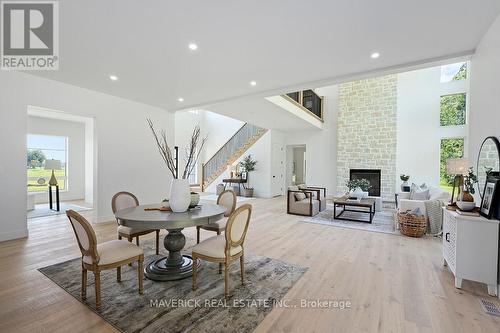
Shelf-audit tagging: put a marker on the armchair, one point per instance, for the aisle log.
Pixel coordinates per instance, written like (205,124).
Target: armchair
(309,205)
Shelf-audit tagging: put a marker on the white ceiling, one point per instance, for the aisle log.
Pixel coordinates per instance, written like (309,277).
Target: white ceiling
(274,42)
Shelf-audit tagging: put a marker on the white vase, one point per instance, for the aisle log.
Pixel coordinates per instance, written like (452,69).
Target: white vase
(358,193)
(180,195)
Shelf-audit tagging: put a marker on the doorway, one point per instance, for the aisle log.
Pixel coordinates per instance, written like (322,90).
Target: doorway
(296,165)
(277,169)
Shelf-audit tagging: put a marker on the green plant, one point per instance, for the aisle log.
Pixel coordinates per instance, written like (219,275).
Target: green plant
(363,184)
(404,177)
(469,180)
(248,164)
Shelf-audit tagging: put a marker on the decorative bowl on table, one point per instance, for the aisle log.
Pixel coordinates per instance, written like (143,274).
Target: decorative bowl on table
(466,206)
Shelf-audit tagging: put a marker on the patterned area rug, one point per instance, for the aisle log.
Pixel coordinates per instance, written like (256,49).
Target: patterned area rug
(44,210)
(173,306)
(382,221)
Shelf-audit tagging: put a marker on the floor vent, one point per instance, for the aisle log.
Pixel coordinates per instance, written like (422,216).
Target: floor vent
(490,307)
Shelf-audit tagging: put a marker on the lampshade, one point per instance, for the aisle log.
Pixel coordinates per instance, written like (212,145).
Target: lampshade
(457,166)
(52,165)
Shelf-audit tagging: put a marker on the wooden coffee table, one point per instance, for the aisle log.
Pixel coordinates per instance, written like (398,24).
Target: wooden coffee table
(364,206)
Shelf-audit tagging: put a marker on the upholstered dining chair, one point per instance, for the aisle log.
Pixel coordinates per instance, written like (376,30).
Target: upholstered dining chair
(224,249)
(227,199)
(122,200)
(103,256)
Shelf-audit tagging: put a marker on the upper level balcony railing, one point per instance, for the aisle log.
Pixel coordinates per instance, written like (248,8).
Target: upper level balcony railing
(309,101)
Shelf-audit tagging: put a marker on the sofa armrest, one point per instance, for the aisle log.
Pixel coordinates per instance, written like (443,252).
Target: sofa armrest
(318,188)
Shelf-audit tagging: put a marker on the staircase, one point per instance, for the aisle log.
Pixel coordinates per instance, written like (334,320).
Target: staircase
(233,149)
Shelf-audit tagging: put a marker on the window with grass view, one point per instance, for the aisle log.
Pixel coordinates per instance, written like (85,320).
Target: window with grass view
(40,149)
(452,110)
(454,72)
(450,148)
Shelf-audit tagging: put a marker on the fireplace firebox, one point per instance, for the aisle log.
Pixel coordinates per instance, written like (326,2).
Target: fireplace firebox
(372,175)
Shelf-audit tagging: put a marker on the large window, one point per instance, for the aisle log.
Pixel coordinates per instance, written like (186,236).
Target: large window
(40,149)
(453,110)
(450,148)
(454,72)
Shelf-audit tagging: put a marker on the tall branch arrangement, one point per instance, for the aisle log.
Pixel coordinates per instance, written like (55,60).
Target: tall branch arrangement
(192,154)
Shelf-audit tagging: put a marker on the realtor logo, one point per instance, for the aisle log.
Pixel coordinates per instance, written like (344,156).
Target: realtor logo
(30,35)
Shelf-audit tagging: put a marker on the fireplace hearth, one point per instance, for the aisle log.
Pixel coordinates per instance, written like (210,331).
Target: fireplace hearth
(372,175)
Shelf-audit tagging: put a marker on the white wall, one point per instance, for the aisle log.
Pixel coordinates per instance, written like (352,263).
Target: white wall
(485,90)
(419,132)
(321,145)
(126,157)
(75,132)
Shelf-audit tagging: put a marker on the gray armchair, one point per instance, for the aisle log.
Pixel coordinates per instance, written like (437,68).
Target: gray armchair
(303,201)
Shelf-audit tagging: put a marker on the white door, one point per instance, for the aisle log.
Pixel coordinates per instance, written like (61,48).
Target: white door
(277,169)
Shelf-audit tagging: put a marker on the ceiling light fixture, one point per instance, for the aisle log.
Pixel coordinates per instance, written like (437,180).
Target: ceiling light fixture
(375,55)
(193,46)
(113,77)
(180,99)
(253,83)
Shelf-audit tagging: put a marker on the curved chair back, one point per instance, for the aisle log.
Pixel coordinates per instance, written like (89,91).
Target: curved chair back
(85,235)
(227,199)
(237,226)
(123,200)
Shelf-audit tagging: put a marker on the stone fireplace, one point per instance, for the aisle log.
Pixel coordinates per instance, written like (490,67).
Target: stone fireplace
(374,176)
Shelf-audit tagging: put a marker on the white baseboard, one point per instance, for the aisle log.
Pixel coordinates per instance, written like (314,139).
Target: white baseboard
(5,236)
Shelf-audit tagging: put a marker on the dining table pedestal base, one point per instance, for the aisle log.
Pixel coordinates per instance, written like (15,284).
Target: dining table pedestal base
(174,267)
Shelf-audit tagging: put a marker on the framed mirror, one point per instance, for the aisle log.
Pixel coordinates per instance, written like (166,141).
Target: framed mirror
(488,162)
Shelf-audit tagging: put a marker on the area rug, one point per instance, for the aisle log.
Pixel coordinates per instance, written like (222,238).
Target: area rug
(382,221)
(173,306)
(44,210)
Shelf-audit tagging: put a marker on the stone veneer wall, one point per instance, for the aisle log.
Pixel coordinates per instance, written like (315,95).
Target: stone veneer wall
(367,124)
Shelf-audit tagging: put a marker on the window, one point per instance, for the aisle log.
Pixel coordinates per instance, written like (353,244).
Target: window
(454,72)
(450,148)
(452,110)
(40,149)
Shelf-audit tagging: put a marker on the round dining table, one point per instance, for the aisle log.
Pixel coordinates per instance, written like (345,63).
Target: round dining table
(176,265)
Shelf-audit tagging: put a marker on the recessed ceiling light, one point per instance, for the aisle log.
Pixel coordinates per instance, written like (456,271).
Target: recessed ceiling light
(193,46)
(375,55)
(253,83)
(180,99)
(113,77)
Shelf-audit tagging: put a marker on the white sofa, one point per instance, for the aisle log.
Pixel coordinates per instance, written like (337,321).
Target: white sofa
(404,203)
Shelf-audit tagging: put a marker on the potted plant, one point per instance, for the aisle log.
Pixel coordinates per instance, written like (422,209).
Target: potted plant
(404,185)
(358,188)
(248,165)
(470,179)
(180,194)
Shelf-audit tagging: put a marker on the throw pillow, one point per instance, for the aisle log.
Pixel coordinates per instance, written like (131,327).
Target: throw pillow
(418,193)
(302,186)
(300,196)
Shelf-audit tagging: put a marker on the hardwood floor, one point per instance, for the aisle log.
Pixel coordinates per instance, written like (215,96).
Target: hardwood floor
(395,284)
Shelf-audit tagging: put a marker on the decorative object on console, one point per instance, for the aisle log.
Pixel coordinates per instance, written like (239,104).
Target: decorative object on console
(466,206)
(52,165)
(180,193)
(457,167)
(404,185)
(470,179)
(490,198)
(248,165)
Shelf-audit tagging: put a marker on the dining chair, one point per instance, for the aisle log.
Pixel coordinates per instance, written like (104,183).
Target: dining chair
(103,256)
(227,199)
(123,200)
(224,249)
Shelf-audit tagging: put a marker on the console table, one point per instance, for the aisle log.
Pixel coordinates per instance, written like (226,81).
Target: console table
(470,249)
(51,205)
(239,181)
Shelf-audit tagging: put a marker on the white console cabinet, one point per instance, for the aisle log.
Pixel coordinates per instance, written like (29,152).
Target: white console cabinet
(470,249)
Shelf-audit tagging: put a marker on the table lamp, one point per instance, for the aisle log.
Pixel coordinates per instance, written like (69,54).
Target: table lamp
(457,167)
(52,165)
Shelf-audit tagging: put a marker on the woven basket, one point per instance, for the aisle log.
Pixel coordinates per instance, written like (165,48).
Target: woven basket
(412,225)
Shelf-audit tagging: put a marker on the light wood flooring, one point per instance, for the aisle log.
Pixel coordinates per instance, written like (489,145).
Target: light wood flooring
(395,284)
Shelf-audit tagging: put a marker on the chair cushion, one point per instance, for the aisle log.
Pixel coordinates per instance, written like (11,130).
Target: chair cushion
(216,226)
(114,251)
(129,231)
(214,247)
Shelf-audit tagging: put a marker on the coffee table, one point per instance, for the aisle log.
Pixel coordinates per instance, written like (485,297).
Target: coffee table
(363,206)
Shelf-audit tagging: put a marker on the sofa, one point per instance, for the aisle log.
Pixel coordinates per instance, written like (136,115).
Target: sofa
(306,200)
(419,198)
